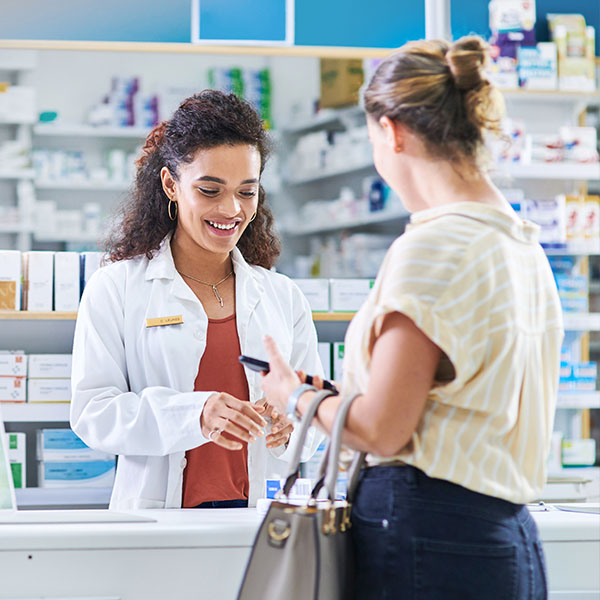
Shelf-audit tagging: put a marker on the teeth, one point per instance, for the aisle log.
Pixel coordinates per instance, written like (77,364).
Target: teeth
(221,225)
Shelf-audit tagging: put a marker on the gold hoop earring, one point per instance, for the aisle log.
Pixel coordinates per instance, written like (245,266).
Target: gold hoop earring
(173,218)
(253,217)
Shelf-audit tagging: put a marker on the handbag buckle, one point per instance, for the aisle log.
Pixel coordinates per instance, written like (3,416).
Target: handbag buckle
(279,531)
(346,522)
(329,523)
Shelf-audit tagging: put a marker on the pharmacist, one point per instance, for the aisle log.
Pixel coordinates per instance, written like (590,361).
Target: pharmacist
(156,377)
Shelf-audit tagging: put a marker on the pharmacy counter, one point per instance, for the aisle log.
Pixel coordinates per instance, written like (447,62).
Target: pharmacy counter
(201,554)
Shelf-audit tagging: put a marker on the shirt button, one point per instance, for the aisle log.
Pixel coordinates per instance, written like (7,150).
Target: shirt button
(198,333)
(183,463)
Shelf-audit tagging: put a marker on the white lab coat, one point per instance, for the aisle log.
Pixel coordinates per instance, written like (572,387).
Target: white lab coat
(133,385)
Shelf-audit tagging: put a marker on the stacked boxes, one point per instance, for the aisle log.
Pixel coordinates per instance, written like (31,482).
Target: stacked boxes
(335,295)
(13,373)
(49,378)
(578,376)
(65,461)
(66,281)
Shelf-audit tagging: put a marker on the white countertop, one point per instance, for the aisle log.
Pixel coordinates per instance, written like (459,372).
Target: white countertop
(187,528)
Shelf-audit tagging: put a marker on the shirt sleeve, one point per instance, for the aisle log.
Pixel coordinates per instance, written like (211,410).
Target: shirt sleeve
(438,292)
(105,414)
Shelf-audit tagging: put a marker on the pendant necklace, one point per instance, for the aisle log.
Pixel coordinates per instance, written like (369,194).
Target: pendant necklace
(212,285)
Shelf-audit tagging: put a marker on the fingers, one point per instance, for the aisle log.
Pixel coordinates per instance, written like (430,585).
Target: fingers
(276,359)
(279,435)
(216,436)
(221,409)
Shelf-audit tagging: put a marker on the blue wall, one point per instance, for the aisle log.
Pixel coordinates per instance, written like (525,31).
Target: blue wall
(380,23)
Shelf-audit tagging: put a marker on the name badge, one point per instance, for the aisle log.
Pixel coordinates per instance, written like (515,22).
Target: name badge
(158,321)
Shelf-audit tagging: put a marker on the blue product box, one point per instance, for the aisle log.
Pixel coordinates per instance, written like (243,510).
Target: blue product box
(588,370)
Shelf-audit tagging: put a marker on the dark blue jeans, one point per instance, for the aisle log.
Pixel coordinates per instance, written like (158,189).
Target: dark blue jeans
(224,504)
(428,539)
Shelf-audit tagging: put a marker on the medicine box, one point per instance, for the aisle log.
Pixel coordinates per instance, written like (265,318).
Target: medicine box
(338,361)
(13,389)
(13,364)
(63,445)
(16,458)
(538,67)
(316,292)
(325,356)
(301,488)
(38,277)
(348,295)
(90,263)
(91,473)
(66,281)
(50,366)
(48,390)
(585,369)
(10,280)
(578,453)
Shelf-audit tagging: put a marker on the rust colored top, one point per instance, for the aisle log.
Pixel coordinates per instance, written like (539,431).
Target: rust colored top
(214,473)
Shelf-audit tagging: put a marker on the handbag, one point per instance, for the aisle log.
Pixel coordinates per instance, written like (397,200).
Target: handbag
(304,552)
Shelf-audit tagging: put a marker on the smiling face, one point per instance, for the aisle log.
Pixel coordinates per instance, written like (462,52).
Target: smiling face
(216,195)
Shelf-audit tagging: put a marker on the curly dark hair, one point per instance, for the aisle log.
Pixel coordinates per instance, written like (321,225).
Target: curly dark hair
(203,121)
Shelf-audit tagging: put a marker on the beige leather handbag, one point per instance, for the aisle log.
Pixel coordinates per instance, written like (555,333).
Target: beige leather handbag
(304,552)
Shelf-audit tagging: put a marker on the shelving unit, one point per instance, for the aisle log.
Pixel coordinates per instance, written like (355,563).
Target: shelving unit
(545,171)
(80,130)
(384,216)
(82,185)
(326,174)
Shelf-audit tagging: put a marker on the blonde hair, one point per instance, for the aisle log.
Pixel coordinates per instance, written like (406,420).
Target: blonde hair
(440,91)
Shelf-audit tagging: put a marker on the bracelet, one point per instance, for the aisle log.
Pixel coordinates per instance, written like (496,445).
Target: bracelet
(290,411)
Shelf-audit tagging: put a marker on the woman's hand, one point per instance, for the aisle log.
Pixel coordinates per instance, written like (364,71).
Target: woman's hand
(281,380)
(281,431)
(223,413)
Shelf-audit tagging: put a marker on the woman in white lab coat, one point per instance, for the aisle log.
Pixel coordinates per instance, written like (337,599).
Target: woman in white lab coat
(156,378)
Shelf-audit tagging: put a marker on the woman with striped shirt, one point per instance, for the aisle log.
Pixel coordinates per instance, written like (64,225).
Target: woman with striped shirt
(455,353)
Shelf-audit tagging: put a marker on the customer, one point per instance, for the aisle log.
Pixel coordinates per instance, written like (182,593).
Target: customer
(156,377)
(455,352)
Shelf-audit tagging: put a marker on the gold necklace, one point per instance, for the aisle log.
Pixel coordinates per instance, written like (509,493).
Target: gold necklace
(212,285)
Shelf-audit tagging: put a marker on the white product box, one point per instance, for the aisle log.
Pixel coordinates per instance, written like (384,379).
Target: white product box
(91,473)
(90,263)
(13,364)
(50,366)
(325,356)
(338,361)
(38,276)
(66,281)
(17,458)
(578,453)
(63,445)
(316,292)
(538,67)
(10,280)
(49,390)
(13,389)
(349,294)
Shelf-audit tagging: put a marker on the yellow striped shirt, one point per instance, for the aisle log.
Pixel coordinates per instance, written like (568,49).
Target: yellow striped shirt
(475,280)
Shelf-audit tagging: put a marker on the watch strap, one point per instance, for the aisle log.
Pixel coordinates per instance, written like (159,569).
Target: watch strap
(292,403)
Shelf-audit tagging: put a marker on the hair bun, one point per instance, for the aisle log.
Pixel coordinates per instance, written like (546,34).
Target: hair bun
(467,58)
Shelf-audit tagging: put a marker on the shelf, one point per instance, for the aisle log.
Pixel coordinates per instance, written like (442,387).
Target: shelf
(575,171)
(76,237)
(578,400)
(592,251)
(581,321)
(553,96)
(83,497)
(319,175)
(26,121)
(83,185)
(15,228)
(333,316)
(369,219)
(80,130)
(595,288)
(18,174)
(48,412)
(26,315)
(322,120)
